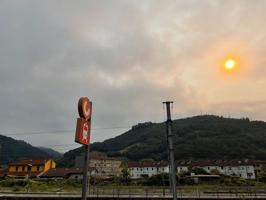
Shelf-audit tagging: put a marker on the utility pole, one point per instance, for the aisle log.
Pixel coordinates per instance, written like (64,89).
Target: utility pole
(82,136)
(85,172)
(169,124)
(0,154)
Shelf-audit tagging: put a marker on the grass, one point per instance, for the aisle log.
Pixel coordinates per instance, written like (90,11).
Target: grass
(11,185)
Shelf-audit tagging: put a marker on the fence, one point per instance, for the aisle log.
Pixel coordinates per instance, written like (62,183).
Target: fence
(183,192)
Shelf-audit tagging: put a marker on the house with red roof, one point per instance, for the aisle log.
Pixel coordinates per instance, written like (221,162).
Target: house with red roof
(67,173)
(141,169)
(241,168)
(30,167)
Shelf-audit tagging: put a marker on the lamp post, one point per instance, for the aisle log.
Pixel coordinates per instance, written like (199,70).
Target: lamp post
(28,176)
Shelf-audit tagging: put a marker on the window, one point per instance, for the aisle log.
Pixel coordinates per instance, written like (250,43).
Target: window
(39,168)
(16,168)
(152,168)
(222,167)
(250,174)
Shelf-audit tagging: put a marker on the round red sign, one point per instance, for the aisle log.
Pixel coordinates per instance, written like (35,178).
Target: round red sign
(84,108)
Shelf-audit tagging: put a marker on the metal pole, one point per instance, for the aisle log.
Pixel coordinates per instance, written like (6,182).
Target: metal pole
(171,147)
(85,172)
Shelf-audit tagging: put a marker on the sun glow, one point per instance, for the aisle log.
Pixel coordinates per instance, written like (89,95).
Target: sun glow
(229,64)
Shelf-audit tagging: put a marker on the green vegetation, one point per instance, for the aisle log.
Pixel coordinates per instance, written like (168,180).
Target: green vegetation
(39,186)
(52,153)
(154,184)
(200,137)
(12,150)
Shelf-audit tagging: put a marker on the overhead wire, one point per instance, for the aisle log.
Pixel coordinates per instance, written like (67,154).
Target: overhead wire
(58,131)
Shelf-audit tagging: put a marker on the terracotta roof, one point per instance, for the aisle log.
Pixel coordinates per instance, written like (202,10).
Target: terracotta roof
(30,161)
(147,164)
(63,172)
(203,163)
(96,157)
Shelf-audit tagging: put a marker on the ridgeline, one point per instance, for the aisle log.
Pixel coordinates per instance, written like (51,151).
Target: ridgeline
(12,150)
(199,137)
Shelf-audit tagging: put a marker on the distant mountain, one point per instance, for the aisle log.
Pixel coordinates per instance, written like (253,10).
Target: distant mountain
(199,137)
(52,153)
(11,150)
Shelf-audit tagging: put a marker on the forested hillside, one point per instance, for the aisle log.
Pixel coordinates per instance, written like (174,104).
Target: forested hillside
(11,150)
(200,137)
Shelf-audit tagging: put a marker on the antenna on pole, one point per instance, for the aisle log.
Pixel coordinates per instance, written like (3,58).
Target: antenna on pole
(169,126)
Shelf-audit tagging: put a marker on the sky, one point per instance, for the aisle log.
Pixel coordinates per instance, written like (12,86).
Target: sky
(127,56)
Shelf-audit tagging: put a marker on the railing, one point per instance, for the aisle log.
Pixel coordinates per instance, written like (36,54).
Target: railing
(182,192)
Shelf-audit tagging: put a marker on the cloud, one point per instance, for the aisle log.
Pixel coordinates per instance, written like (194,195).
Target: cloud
(127,57)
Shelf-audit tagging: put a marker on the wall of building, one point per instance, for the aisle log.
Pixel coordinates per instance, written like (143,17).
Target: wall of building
(181,169)
(138,172)
(103,166)
(243,171)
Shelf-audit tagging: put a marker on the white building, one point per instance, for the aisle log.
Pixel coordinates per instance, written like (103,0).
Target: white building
(105,166)
(139,170)
(244,169)
(182,166)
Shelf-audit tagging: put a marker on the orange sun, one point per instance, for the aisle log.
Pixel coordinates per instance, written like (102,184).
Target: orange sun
(229,64)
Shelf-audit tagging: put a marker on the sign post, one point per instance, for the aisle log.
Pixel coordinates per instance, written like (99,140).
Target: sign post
(82,136)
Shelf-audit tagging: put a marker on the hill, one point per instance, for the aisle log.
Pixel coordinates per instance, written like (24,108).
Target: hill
(199,137)
(52,153)
(11,150)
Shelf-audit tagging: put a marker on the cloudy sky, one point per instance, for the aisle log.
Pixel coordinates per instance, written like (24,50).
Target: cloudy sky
(127,57)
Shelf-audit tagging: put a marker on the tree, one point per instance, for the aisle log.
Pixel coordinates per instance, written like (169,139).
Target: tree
(199,171)
(214,172)
(125,176)
(158,180)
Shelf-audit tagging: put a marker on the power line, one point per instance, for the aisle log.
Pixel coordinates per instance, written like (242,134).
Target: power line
(61,145)
(60,131)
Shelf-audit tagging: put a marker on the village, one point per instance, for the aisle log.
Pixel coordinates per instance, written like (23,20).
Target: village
(106,168)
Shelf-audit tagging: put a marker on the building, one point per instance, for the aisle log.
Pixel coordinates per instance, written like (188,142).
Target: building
(260,168)
(66,173)
(182,166)
(105,166)
(142,125)
(142,169)
(32,168)
(3,173)
(203,178)
(241,168)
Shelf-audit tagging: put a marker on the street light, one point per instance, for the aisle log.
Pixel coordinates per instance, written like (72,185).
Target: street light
(28,176)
